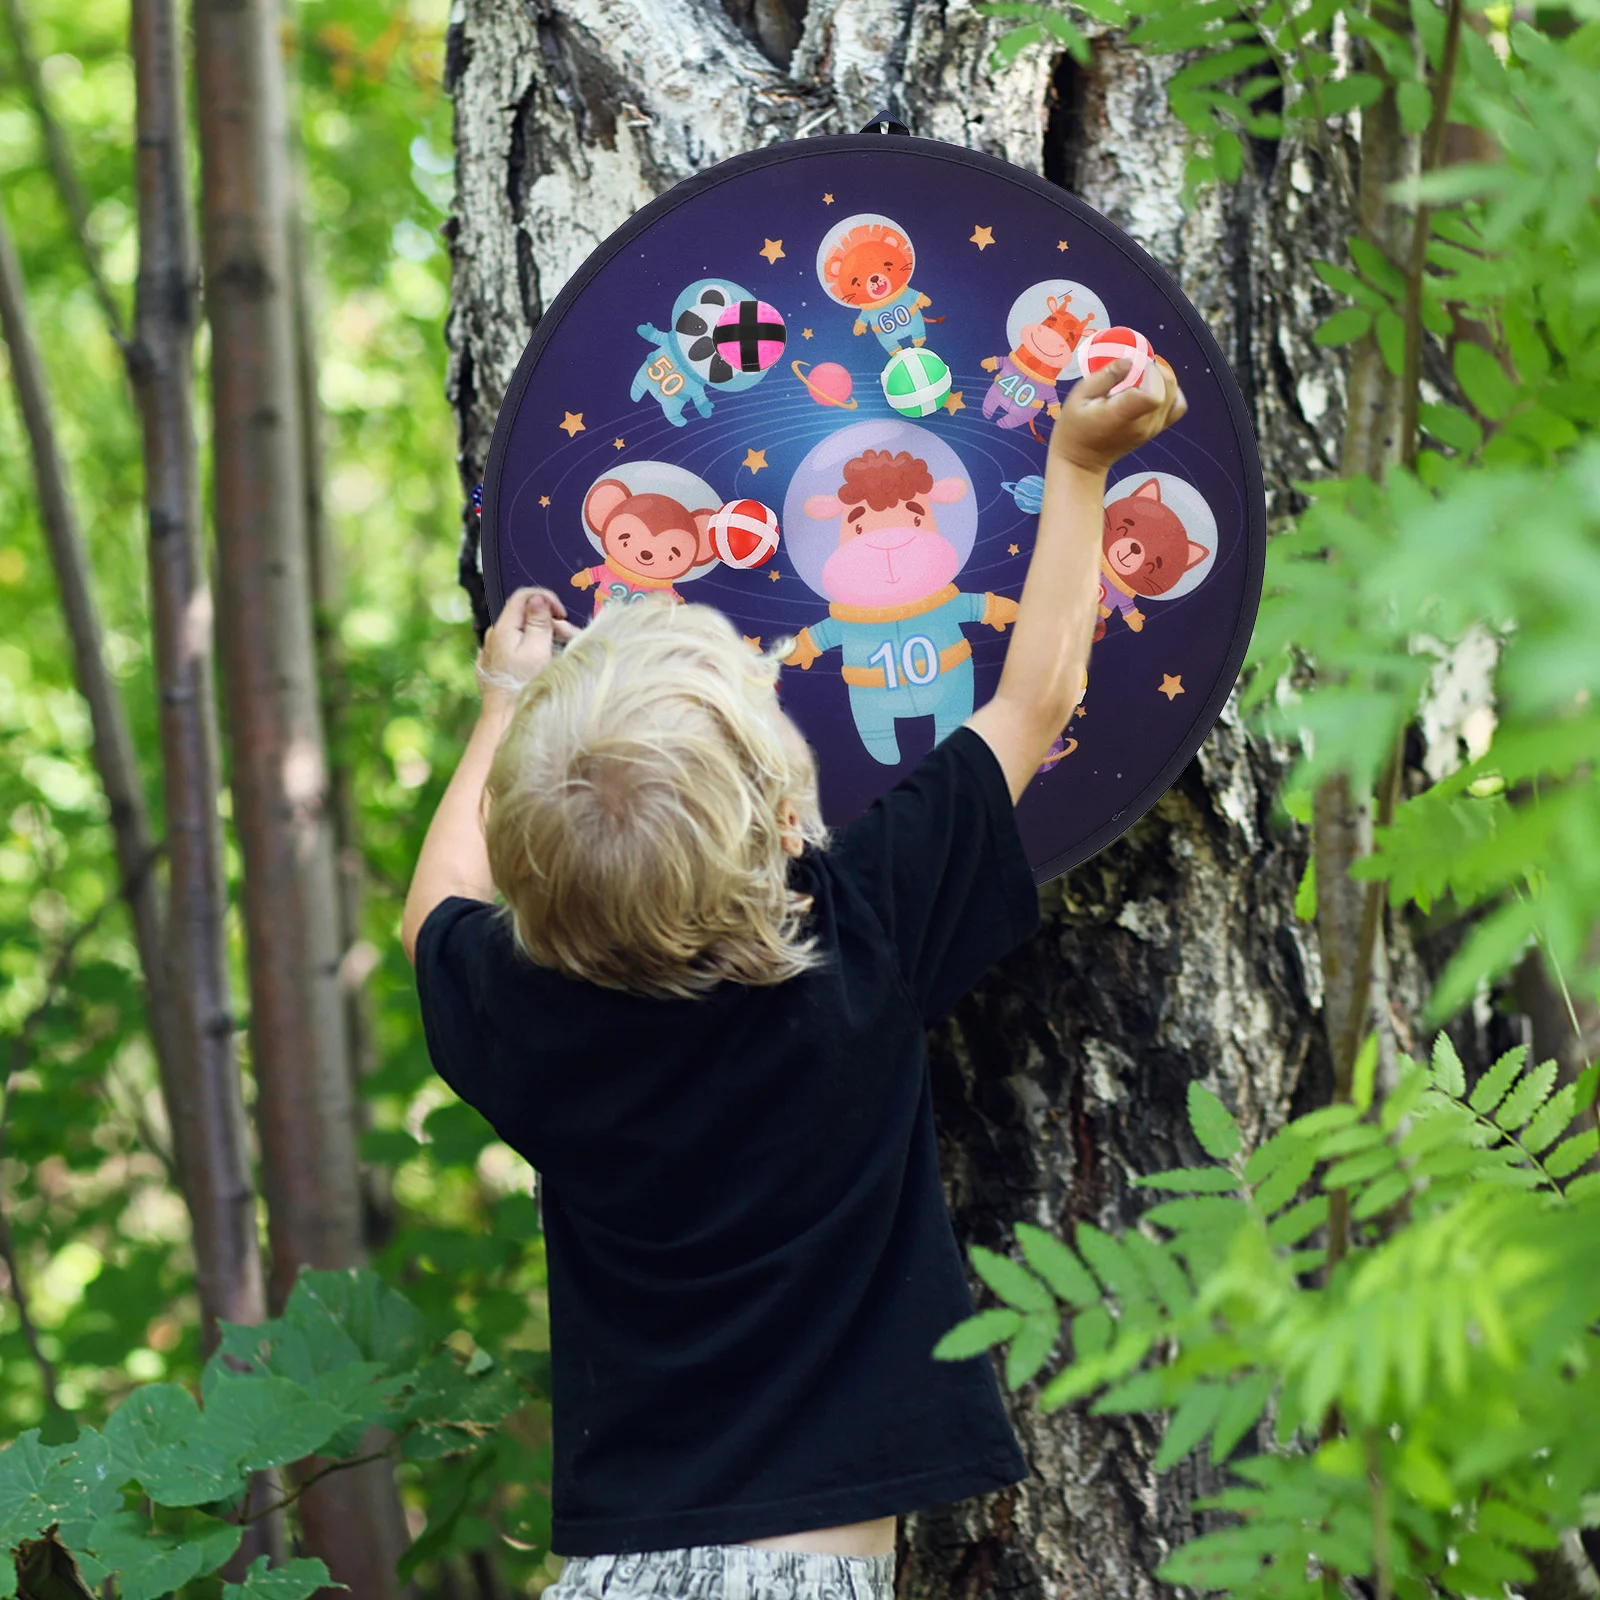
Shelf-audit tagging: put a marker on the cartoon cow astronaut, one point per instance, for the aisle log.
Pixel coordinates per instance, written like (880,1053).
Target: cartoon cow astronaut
(895,612)
(686,363)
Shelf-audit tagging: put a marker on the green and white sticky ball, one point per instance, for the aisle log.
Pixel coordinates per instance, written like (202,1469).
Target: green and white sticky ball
(915,382)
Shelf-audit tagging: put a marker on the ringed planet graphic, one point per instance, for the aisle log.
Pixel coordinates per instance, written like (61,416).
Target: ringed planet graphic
(828,383)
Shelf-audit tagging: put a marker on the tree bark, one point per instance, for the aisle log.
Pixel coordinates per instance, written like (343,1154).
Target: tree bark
(279,775)
(209,1105)
(1174,954)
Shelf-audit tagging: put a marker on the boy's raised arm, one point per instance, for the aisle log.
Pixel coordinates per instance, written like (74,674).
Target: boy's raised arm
(1047,662)
(454,859)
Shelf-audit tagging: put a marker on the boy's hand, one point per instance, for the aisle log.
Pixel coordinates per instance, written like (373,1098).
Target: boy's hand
(1096,428)
(519,645)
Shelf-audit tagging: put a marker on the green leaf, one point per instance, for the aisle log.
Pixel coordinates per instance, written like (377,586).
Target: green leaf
(1452,426)
(1213,1126)
(1527,1097)
(1031,1348)
(1057,1265)
(1383,1194)
(384,1326)
(1378,268)
(1324,1118)
(1364,1074)
(1010,1280)
(1484,382)
(294,1580)
(1283,1184)
(151,1418)
(1190,1423)
(1191,1180)
(1415,105)
(1161,1270)
(1448,1072)
(44,1484)
(1305,897)
(1345,282)
(1092,1332)
(1359,1169)
(1491,1088)
(1552,1121)
(1345,326)
(149,1562)
(1111,1264)
(1144,1391)
(1242,1404)
(977,1334)
(1514,1526)
(1348,93)
(1298,1222)
(1571,1153)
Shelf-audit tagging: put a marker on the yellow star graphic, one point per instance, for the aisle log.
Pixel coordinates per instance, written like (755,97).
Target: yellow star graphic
(753,640)
(1171,686)
(1061,244)
(954,403)
(982,237)
(544,499)
(573,423)
(618,443)
(805,333)
(772,249)
(1080,711)
(754,459)
(1013,550)
(827,199)
(774,576)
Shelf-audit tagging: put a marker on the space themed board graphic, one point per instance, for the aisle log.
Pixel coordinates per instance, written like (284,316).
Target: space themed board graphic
(814,386)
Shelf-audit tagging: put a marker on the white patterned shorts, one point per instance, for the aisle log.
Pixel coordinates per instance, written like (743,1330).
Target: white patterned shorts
(725,1572)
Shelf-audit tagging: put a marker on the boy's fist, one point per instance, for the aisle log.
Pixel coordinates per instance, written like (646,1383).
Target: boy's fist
(1096,428)
(519,645)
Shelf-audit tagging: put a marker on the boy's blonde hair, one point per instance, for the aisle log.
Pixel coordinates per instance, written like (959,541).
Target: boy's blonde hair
(635,808)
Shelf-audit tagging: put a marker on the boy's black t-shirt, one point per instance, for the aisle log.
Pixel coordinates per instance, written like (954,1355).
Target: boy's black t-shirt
(750,1257)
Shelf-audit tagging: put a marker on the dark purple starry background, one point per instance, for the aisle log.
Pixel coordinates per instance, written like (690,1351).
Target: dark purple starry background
(1132,738)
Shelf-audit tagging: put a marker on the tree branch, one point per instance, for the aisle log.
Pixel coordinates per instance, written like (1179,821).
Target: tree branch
(59,157)
(1417,266)
(315,1477)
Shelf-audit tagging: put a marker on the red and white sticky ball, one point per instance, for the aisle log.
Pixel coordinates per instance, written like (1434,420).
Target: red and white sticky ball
(1100,349)
(744,533)
(750,335)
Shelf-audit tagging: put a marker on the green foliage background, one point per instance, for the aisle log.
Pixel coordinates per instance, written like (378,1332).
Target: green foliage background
(99,1228)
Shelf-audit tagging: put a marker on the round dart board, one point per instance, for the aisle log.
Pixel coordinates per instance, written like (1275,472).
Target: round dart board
(814,387)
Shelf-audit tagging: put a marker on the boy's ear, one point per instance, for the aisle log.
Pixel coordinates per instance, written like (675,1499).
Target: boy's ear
(704,549)
(820,507)
(602,501)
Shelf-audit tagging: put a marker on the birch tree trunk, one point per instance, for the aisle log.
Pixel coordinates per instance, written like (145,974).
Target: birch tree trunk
(1172,956)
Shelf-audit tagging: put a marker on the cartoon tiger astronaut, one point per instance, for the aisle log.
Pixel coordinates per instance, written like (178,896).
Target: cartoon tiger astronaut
(866,263)
(687,364)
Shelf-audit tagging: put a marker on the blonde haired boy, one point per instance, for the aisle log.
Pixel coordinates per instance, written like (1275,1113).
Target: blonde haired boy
(702,1020)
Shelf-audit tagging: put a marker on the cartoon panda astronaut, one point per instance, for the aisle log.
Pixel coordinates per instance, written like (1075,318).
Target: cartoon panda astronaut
(686,363)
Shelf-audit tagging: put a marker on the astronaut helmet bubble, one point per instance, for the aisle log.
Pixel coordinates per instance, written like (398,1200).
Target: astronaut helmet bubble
(809,540)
